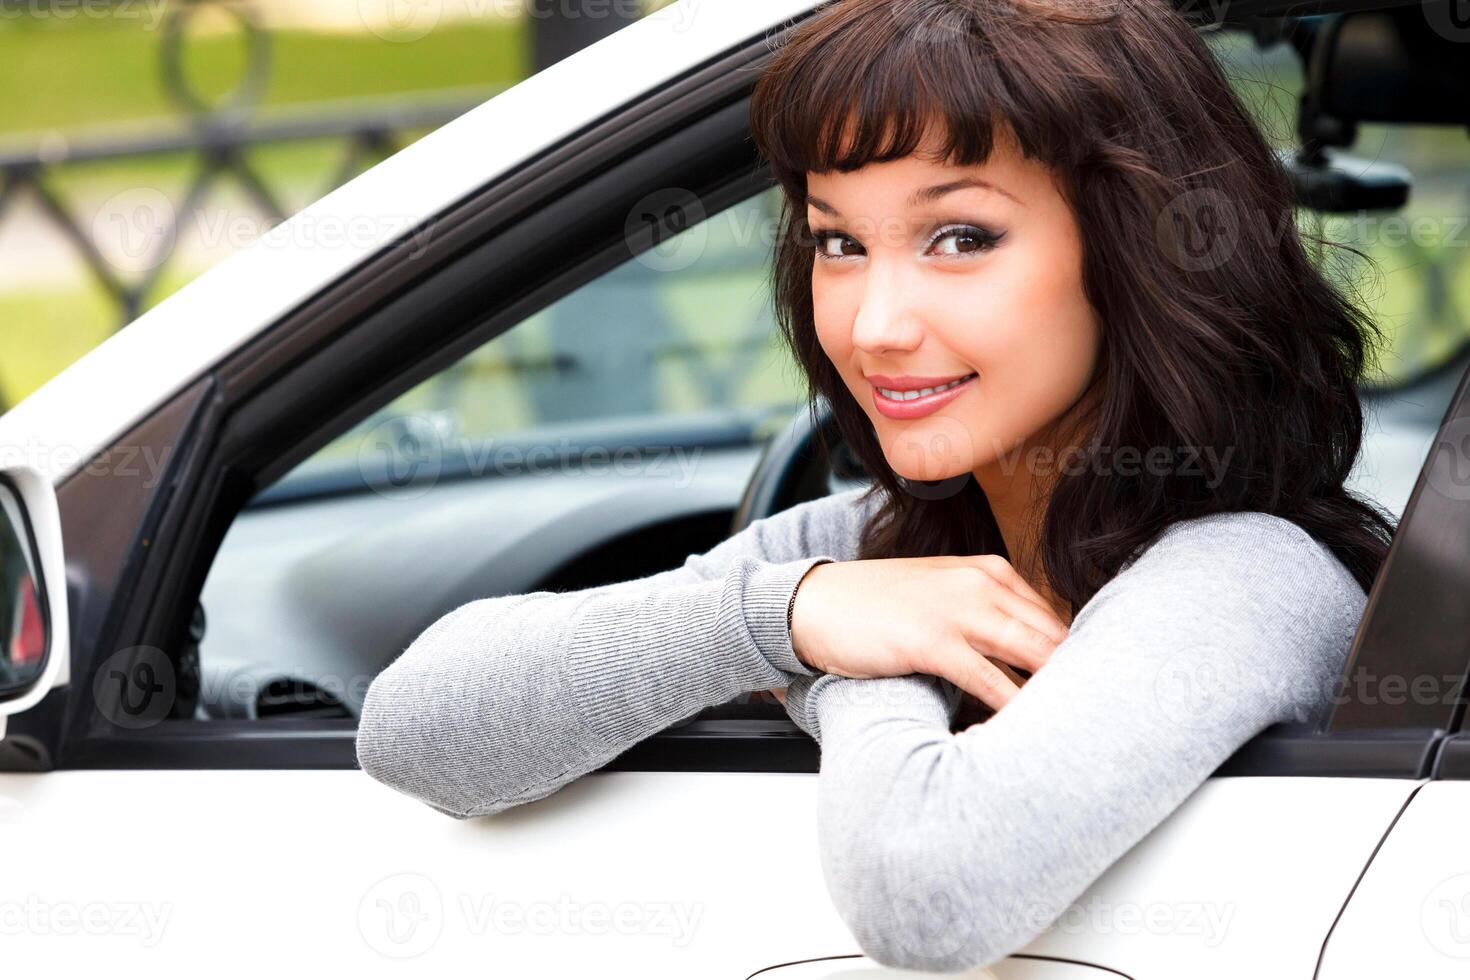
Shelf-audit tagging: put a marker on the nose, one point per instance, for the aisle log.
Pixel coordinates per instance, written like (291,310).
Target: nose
(886,318)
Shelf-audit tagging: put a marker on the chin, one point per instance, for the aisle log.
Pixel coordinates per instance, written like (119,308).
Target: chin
(929,469)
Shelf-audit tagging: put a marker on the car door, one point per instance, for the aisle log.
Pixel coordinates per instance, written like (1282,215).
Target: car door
(251,843)
(1410,913)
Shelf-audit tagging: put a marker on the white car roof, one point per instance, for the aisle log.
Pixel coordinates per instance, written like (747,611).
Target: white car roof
(87,406)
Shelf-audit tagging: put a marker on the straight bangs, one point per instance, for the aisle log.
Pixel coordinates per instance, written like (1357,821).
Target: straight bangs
(882,77)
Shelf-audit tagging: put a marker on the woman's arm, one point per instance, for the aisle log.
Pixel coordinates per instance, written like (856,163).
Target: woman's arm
(949,851)
(504,700)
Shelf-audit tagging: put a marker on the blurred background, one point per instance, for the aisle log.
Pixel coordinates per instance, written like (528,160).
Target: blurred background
(142,141)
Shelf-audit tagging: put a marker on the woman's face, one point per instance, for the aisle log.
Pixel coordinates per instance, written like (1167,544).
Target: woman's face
(918,276)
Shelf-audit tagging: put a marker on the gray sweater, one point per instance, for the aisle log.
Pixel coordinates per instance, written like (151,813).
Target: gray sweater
(940,850)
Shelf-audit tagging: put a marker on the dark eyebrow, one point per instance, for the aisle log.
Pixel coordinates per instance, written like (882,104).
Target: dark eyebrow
(925,195)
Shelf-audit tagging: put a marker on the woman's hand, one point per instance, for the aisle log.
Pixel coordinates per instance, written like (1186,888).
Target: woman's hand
(963,618)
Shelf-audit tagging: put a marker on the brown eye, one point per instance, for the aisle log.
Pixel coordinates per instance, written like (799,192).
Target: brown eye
(824,239)
(968,239)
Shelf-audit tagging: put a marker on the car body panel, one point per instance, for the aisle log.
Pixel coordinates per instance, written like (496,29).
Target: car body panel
(1243,880)
(249,870)
(1410,915)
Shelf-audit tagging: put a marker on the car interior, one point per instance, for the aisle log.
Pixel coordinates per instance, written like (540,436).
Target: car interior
(651,412)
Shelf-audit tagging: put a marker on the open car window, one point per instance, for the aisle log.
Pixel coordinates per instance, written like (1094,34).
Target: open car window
(511,470)
(678,348)
(1409,266)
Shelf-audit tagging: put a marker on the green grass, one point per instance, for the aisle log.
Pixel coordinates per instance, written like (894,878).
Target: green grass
(85,72)
(44,330)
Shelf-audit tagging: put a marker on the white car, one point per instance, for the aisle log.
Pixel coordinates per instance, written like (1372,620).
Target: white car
(532,350)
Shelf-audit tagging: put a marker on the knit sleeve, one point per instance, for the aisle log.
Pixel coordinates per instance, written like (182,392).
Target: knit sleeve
(948,851)
(506,699)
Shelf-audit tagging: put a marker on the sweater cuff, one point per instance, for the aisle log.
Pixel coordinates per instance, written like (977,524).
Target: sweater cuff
(768,594)
(835,700)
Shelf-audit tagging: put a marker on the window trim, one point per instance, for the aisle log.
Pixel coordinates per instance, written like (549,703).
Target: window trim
(216,422)
(391,310)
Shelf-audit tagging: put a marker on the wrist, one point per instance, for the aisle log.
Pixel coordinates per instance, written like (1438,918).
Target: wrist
(796,649)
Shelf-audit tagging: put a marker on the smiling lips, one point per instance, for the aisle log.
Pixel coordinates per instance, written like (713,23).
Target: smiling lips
(895,396)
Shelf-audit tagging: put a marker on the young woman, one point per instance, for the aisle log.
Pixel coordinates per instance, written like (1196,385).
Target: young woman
(1043,266)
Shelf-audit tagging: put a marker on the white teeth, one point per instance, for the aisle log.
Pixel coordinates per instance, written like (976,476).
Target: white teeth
(904,396)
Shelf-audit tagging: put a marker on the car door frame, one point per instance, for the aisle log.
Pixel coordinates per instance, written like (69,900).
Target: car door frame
(144,541)
(142,548)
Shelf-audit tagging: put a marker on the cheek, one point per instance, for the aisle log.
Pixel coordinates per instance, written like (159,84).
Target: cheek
(833,322)
(1035,344)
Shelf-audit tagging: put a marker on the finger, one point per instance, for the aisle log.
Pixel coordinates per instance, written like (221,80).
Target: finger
(1043,620)
(968,670)
(780,693)
(1005,573)
(1010,672)
(993,632)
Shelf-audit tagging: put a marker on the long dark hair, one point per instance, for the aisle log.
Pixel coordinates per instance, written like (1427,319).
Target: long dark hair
(1235,344)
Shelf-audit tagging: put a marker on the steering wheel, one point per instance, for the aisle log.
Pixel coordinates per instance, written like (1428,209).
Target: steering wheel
(803,462)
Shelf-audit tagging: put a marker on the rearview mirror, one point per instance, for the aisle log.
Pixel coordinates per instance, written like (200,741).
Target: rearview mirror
(33,621)
(23,631)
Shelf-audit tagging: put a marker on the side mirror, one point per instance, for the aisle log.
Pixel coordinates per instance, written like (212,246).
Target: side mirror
(34,640)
